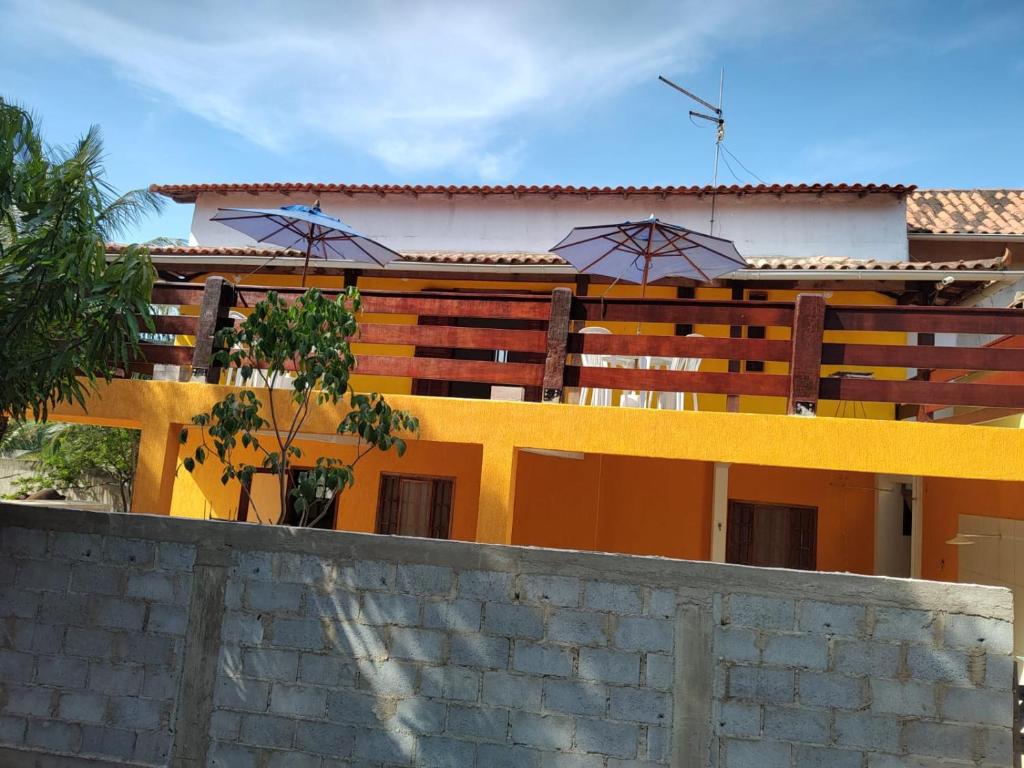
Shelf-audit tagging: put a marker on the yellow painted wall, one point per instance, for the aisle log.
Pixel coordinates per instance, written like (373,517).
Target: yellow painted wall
(944,500)
(201,493)
(494,430)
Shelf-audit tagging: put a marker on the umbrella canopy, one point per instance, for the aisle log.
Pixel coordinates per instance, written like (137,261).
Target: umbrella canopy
(306,228)
(645,251)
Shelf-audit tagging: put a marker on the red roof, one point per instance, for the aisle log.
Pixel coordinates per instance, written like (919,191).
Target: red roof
(187,193)
(966,211)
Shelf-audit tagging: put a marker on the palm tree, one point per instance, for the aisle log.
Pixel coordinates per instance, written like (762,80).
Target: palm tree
(66,310)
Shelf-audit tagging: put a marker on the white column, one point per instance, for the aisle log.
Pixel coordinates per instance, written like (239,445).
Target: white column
(719,511)
(916,526)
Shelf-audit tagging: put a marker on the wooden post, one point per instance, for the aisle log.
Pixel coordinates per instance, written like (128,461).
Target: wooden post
(805,362)
(218,298)
(558,338)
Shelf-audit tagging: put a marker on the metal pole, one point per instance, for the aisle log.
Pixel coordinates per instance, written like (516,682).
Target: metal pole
(718,148)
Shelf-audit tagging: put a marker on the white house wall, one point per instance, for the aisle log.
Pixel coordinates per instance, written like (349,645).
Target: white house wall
(764,225)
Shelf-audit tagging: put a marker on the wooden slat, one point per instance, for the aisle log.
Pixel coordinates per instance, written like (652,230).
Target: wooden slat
(177,294)
(925,319)
(450,336)
(519,374)
(677,381)
(960,359)
(805,367)
(683,311)
(165,353)
(923,392)
(180,324)
(499,306)
(680,346)
(435,303)
(558,336)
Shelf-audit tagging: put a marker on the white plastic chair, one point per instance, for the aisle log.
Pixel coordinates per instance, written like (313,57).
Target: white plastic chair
(233,377)
(597,396)
(676,401)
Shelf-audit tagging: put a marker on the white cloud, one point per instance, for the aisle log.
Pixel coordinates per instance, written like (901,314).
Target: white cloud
(417,85)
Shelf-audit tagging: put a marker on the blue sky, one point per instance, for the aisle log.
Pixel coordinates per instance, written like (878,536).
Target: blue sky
(900,91)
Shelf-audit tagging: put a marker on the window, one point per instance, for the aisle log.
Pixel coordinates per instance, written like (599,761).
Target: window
(756,332)
(410,505)
(260,502)
(772,535)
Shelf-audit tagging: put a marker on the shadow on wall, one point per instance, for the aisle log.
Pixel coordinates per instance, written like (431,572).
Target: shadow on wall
(344,661)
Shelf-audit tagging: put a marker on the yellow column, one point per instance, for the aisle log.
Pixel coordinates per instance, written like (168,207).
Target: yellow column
(154,474)
(497,494)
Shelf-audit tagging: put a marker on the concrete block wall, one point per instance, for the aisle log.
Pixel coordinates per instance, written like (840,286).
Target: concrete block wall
(814,681)
(92,642)
(194,643)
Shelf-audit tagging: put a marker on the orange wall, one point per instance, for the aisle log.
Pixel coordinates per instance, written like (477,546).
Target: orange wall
(845,502)
(663,507)
(655,507)
(614,504)
(944,500)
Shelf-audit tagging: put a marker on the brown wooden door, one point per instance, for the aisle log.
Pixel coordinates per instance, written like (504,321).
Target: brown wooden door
(410,505)
(772,535)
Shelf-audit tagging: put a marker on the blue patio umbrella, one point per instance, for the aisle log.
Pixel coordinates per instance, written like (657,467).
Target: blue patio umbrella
(306,228)
(645,251)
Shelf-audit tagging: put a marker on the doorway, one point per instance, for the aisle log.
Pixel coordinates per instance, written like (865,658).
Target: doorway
(772,535)
(414,505)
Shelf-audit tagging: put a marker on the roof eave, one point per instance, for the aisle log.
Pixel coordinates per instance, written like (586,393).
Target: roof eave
(213,263)
(966,237)
(189,193)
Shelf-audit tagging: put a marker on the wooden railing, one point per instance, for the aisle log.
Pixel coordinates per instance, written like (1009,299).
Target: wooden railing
(540,333)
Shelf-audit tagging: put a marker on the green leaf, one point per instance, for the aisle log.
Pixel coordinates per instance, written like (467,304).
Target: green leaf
(189,464)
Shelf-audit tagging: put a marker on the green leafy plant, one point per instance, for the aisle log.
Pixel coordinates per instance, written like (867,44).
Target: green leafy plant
(81,457)
(66,310)
(308,341)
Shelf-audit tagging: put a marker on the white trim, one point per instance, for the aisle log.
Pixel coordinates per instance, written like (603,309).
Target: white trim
(229,263)
(916,526)
(574,455)
(719,511)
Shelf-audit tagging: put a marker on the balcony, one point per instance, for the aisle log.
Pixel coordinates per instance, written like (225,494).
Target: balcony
(804,357)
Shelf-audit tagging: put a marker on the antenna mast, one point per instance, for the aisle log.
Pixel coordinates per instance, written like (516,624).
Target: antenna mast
(718,119)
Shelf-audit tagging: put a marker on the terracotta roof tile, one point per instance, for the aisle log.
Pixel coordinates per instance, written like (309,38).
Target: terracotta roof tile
(186,193)
(966,211)
(534,259)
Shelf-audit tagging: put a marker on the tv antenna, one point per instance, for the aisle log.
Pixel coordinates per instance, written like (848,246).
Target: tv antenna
(718,119)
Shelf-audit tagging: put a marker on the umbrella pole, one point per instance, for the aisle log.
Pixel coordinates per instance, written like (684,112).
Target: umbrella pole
(305,264)
(643,286)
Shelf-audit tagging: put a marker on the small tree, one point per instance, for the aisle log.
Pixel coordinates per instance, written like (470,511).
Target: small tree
(308,340)
(80,457)
(66,310)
